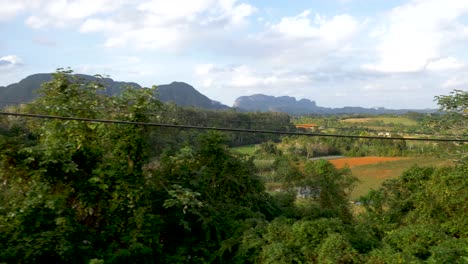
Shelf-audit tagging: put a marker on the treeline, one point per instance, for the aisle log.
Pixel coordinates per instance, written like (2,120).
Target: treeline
(84,192)
(173,139)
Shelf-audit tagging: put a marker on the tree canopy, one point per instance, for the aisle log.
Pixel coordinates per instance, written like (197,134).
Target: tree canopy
(87,192)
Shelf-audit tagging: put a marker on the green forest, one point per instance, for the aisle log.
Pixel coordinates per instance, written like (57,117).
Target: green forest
(74,191)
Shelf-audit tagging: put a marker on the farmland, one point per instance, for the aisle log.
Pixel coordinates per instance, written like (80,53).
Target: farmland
(382,119)
(360,161)
(247,150)
(373,171)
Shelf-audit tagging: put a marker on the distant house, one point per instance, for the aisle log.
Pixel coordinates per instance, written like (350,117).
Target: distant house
(384,134)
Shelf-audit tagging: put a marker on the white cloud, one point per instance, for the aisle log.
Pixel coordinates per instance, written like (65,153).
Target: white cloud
(244,76)
(36,22)
(61,13)
(226,82)
(57,13)
(79,9)
(203,69)
(207,82)
(10,60)
(239,13)
(10,8)
(338,28)
(296,27)
(169,25)
(148,38)
(124,68)
(416,33)
(304,40)
(175,9)
(96,25)
(445,64)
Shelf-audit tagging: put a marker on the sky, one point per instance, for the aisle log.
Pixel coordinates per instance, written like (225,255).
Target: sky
(370,53)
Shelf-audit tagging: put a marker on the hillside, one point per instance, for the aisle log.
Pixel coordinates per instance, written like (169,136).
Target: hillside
(183,94)
(179,93)
(24,91)
(265,103)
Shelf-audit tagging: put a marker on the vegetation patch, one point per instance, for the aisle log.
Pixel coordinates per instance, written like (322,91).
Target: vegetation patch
(77,191)
(247,150)
(371,175)
(383,119)
(359,161)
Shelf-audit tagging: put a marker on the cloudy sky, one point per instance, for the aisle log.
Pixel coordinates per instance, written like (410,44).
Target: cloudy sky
(391,53)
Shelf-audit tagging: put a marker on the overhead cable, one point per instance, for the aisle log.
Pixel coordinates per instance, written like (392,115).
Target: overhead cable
(109,121)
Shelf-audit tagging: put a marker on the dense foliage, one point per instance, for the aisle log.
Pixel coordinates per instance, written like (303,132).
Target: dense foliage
(170,139)
(85,192)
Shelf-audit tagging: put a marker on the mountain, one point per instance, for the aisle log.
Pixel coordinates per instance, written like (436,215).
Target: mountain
(266,103)
(179,93)
(25,90)
(183,94)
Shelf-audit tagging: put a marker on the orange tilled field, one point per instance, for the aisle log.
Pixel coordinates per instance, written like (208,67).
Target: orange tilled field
(359,161)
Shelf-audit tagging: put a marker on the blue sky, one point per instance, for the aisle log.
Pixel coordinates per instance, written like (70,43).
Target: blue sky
(395,54)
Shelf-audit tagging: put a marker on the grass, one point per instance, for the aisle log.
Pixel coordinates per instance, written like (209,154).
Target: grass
(387,120)
(371,176)
(360,161)
(264,164)
(247,150)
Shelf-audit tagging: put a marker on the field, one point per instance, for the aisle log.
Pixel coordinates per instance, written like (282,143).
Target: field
(247,150)
(387,120)
(373,171)
(360,161)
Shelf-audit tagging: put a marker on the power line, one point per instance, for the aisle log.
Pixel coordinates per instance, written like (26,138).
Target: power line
(198,119)
(359,129)
(225,129)
(178,114)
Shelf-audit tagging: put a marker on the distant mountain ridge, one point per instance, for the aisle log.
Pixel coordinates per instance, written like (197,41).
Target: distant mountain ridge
(180,93)
(24,90)
(185,95)
(266,103)
(288,104)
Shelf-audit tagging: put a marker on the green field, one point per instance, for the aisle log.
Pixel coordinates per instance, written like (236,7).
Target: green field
(247,150)
(386,120)
(372,176)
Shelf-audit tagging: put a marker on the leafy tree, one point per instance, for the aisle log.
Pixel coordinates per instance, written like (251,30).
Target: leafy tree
(457,102)
(454,120)
(283,240)
(326,189)
(213,195)
(337,249)
(76,193)
(268,148)
(420,214)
